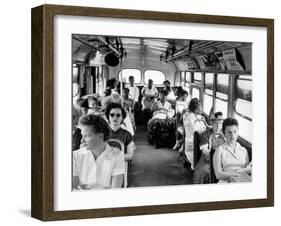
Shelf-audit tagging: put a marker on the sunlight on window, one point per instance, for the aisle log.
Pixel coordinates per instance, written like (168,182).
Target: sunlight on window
(244,107)
(222,79)
(126,73)
(195,93)
(221,106)
(245,128)
(208,103)
(198,76)
(158,77)
(209,78)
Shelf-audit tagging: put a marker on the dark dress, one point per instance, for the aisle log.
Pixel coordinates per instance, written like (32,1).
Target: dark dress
(122,135)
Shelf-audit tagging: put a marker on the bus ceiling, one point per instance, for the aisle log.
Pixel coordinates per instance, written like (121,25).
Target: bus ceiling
(181,55)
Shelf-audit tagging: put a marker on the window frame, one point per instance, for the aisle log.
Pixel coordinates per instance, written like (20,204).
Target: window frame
(136,83)
(143,76)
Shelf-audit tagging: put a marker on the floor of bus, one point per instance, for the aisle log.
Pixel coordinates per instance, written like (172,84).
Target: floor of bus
(155,167)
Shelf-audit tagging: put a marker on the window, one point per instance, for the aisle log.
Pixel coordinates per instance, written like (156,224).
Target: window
(198,76)
(209,79)
(245,128)
(222,79)
(222,83)
(126,73)
(208,103)
(182,77)
(221,105)
(244,88)
(158,77)
(75,74)
(187,81)
(187,76)
(244,108)
(195,93)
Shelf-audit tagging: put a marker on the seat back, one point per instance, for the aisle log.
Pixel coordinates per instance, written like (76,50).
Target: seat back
(116,144)
(196,148)
(213,176)
(119,144)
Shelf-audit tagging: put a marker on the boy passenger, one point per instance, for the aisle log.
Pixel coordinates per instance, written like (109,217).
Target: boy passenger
(133,90)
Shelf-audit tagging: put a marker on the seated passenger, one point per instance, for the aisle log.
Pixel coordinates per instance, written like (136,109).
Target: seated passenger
(97,165)
(127,100)
(94,107)
(231,160)
(181,107)
(182,102)
(82,106)
(128,105)
(210,139)
(162,126)
(192,121)
(115,114)
(163,105)
(171,95)
(76,132)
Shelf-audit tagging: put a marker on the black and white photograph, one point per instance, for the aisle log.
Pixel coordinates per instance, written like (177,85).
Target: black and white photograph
(160,112)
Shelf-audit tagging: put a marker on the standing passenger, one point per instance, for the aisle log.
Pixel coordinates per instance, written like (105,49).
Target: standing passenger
(133,90)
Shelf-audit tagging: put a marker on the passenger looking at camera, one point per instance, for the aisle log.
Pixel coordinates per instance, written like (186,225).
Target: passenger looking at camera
(231,160)
(162,103)
(115,114)
(210,140)
(134,92)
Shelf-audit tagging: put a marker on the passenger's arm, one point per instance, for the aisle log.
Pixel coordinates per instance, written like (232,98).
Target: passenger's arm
(117,181)
(137,94)
(130,151)
(156,92)
(75,171)
(220,174)
(154,107)
(143,92)
(75,182)
(118,172)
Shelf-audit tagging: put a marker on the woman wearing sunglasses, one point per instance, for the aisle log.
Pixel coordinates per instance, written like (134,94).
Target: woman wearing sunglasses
(115,114)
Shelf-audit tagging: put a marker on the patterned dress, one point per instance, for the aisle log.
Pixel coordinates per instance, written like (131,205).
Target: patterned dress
(202,171)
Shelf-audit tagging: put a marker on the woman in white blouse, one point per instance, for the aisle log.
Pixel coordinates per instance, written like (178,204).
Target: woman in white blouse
(97,165)
(192,121)
(231,160)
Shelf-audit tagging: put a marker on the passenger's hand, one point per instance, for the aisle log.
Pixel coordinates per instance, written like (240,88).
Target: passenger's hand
(234,177)
(206,156)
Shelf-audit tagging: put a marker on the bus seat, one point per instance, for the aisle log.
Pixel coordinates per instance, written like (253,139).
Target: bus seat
(213,176)
(196,148)
(119,144)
